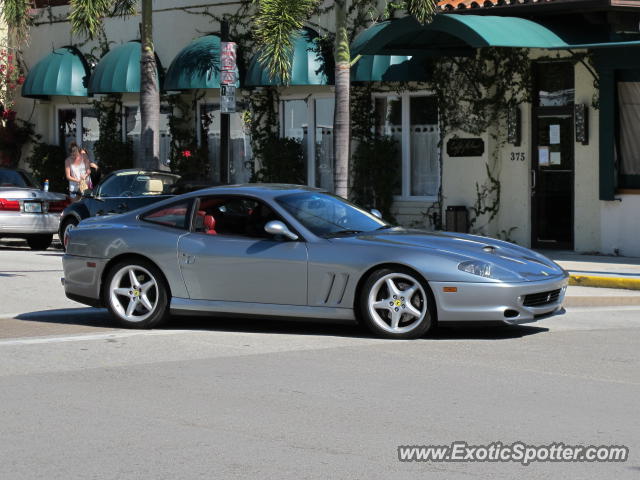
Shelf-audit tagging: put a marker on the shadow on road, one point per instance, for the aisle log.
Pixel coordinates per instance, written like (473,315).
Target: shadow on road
(97,317)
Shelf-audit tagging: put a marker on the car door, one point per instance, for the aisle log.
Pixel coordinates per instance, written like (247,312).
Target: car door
(236,260)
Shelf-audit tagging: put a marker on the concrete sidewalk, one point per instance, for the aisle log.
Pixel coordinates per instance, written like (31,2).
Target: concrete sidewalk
(599,270)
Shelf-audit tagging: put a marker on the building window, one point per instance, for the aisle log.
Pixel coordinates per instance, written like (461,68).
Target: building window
(629,133)
(68,130)
(412,120)
(310,121)
(295,125)
(323,143)
(424,138)
(388,113)
(132,130)
(67,127)
(555,86)
(240,154)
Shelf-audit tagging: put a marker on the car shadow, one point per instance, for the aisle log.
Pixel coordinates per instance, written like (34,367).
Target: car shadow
(100,317)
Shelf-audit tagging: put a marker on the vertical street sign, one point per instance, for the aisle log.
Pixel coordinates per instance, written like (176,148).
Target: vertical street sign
(228,77)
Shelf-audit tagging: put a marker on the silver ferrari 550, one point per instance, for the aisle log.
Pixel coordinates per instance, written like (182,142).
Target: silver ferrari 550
(283,250)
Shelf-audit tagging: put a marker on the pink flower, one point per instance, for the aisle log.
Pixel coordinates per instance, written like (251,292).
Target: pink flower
(20,80)
(186,153)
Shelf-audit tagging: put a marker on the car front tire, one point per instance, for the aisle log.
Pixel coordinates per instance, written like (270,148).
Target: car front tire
(136,294)
(396,303)
(39,242)
(67,225)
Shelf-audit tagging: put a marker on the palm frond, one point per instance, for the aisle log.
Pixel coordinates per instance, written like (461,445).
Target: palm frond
(15,14)
(277,22)
(86,15)
(124,8)
(422,10)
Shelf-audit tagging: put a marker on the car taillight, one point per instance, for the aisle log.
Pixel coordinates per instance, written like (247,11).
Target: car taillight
(9,205)
(59,206)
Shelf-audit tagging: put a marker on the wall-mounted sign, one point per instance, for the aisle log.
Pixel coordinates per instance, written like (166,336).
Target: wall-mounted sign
(465,147)
(227,98)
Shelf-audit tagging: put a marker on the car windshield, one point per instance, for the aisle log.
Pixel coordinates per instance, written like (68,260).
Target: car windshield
(14,178)
(327,215)
(135,184)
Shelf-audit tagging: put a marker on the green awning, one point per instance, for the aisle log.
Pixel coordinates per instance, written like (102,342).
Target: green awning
(196,66)
(63,72)
(119,70)
(308,64)
(452,32)
(389,68)
(457,35)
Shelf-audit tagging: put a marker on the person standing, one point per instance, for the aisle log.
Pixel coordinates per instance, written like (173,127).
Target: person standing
(77,171)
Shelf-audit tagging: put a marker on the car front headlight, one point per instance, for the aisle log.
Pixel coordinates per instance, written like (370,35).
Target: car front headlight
(486,270)
(476,268)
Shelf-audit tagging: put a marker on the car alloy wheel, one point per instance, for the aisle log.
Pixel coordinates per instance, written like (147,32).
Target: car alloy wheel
(396,304)
(136,295)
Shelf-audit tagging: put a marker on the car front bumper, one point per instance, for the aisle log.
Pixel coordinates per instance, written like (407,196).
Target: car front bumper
(496,302)
(18,223)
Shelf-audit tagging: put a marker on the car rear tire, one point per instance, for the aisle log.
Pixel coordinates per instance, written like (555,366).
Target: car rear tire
(396,303)
(39,242)
(67,225)
(136,294)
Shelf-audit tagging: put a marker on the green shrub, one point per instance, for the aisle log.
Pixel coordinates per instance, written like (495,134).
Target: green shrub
(281,161)
(375,173)
(47,162)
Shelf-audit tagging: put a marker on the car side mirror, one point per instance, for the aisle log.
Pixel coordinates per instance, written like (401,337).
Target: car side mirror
(376,213)
(276,227)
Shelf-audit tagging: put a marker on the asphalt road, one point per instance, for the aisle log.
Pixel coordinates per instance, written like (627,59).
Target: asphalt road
(233,398)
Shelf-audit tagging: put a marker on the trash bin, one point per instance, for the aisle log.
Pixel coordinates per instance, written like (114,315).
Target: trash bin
(457,219)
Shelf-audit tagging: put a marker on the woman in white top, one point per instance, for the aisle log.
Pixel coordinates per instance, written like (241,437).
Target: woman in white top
(77,171)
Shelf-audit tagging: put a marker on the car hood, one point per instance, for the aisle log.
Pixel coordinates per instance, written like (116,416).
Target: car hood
(30,194)
(524,263)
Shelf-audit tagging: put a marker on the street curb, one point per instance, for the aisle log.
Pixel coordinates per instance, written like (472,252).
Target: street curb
(609,301)
(605,282)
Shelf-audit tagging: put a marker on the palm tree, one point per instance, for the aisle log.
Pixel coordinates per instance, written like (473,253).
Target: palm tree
(86,18)
(276,23)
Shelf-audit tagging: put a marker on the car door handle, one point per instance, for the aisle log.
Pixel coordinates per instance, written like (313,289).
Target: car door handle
(187,259)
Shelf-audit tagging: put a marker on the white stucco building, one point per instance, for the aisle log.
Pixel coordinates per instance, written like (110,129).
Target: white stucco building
(571,180)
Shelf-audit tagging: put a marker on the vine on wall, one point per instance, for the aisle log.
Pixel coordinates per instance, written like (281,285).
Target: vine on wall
(277,159)
(186,157)
(110,150)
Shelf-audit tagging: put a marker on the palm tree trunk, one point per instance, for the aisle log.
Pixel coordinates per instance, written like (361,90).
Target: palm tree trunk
(149,155)
(341,113)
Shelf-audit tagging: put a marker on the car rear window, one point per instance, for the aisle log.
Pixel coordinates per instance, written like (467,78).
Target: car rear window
(13,178)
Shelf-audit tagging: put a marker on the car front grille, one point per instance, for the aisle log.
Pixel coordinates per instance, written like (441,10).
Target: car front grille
(542,298)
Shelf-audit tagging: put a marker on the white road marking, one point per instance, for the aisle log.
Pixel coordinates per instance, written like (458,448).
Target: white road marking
(90,336)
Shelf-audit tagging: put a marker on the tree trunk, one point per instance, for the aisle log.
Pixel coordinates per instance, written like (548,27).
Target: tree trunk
(149,155)
(341,120)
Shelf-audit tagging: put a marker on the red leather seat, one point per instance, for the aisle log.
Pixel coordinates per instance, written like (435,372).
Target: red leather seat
(210,225)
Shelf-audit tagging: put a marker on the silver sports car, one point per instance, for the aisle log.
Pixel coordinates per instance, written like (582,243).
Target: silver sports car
(28,212)
(283,250)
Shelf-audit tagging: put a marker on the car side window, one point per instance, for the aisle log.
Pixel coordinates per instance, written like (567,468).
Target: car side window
(233,215)
(175,215)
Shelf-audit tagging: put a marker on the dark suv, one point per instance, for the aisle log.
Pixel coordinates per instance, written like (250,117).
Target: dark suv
(122,191)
